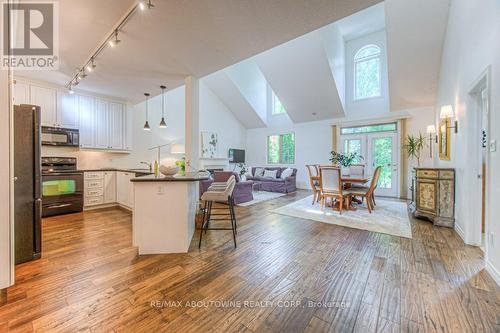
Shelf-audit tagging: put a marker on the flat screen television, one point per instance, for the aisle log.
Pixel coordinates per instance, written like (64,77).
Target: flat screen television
(236,155)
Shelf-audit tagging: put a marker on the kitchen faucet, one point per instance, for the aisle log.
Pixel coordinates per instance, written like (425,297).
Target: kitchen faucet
(150,165)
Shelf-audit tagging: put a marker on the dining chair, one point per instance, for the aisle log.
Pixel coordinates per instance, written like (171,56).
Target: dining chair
(369,192)
(357,170)
(331,186)
(313,172)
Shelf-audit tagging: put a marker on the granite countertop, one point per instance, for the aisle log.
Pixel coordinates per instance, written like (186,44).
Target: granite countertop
(188,177)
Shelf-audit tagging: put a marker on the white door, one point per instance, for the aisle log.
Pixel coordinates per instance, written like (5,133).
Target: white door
(46,99)
(86,106)
(21,93)
(115,116)
(383,151)
(109,187)
(67,110)
(101,125)
(355,143)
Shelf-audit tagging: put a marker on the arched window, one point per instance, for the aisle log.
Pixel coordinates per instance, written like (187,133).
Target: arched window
(367,72)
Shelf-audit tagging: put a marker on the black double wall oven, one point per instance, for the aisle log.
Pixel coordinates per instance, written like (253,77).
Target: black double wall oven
(62,186)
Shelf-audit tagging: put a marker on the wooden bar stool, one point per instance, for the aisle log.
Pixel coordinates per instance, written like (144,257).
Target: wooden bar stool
(219,193)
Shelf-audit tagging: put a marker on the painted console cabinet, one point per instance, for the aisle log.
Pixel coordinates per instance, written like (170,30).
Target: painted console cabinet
(435,195)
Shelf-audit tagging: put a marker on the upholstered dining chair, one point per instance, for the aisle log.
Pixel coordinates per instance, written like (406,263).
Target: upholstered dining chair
(313,172)
(369,192)
(331,186)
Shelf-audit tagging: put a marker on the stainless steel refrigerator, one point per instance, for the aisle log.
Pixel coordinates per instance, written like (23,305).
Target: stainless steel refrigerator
(27,184)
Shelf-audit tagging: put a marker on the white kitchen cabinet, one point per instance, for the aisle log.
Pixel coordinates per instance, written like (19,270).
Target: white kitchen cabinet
(109,187)
(128,127)
(67,110)
(21,93)
(46,98)
(86,110)
(101,124)
(115,128)
(125,189)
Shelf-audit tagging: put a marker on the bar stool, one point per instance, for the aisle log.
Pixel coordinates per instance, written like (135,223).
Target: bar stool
(221,193)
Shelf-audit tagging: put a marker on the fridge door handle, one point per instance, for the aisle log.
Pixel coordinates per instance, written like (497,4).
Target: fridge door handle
(38,226)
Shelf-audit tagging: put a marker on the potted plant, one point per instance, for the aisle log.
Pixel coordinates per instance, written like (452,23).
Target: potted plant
(413,146)
(344,160)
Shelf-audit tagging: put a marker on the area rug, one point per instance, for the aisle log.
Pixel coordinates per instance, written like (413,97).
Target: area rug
(389,217)
(260,196)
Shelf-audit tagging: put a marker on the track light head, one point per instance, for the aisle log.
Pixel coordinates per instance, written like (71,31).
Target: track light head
(71,91)
(91,66)
(83,74)
(76,82)
(143,5)
(116,41)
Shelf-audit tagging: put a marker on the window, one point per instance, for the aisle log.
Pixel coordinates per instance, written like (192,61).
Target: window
(367,72)
(281,149)
(278,108)
(390,127)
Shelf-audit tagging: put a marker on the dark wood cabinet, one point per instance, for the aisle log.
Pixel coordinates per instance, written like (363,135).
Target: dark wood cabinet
(434,193)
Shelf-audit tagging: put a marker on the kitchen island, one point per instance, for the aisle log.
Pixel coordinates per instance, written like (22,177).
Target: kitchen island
(164,212)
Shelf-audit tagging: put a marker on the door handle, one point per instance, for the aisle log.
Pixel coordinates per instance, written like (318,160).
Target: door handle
(59,206)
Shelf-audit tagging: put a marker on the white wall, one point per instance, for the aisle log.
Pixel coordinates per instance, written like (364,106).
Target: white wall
(313,143)
(6,263)
(471,45)
(367,107)
(214,117)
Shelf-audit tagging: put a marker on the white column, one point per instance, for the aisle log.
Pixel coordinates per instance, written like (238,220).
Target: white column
(192,136)
(6,186)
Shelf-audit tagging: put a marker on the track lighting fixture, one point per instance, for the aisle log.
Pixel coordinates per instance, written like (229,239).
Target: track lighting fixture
(71,91)
(146,124)
(163,124)
(111,41)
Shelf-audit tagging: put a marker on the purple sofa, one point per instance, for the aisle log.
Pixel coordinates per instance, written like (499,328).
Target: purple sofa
(275,184)
(242,190)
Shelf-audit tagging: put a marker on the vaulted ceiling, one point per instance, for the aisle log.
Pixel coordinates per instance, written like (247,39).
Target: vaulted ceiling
(179,38)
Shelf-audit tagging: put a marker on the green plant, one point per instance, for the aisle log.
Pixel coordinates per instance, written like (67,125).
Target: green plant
(413,146)
(344,160)
(182,164)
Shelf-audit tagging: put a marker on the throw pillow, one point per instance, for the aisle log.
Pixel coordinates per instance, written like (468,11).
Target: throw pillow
(270,173)
(259,172)
(286,173)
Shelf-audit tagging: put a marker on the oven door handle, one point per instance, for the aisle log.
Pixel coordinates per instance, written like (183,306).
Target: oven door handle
(58,206)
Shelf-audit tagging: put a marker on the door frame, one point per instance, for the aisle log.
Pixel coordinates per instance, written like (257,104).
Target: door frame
(365,149)
(473,232)
(395,160)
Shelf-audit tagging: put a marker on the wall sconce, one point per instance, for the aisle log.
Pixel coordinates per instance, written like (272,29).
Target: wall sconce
(431,130)
(447,113)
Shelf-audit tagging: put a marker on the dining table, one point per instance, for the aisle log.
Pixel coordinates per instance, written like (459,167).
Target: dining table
(348,180)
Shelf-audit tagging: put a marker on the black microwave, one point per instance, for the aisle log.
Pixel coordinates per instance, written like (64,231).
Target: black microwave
(56,136)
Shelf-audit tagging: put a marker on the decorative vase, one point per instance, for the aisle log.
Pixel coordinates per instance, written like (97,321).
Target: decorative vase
(169,170)
(345,171)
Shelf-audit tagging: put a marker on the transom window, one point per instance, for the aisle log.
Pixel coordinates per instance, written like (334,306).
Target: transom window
(278,108)
(281,149)
(389,127)
(367,72)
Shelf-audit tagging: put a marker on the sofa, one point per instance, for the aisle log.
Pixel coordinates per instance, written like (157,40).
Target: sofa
(242,191)
(277,184)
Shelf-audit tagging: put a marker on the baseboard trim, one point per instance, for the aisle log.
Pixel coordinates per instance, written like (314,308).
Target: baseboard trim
(493,272)
(460,232)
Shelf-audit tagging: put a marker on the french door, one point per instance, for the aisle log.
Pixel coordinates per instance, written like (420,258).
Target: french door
(377,149)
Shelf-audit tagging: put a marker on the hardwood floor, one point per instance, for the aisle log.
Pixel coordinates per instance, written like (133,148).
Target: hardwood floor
(91,279)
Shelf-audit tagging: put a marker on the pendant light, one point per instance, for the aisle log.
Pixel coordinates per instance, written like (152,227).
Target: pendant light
(163,124)
(146,124)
